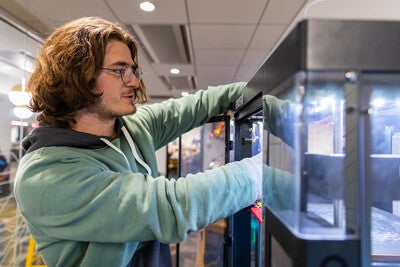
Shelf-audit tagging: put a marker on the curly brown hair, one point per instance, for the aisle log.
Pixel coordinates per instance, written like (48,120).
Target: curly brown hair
(62,82)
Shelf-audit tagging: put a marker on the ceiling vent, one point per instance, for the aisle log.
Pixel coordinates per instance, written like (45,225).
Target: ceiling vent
(167,45)
(182,83)
(168,42)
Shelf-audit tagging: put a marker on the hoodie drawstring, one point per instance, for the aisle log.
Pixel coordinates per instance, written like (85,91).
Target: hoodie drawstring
(133,149)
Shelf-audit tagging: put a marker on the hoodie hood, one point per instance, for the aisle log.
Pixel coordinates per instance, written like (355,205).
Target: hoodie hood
(45,136)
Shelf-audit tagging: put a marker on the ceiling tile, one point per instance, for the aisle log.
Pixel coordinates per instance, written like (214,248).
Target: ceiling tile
(245,74)
(205,81)
(163,69)
(225,11)
(251,62)
(166,12)
(255,57)
(59,12)
(204,56)
(211,70)
(214,75)
(282,11)
(266,36)
(27,19)
(154,85)
(221,36)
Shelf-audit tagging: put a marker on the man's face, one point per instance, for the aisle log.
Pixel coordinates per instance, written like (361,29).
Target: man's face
(118,98)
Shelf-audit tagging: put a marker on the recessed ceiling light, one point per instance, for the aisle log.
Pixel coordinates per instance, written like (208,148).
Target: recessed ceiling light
(147,6)
(174,71)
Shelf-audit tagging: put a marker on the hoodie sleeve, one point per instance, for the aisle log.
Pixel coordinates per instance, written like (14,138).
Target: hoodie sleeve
(279,118)
(279,188)
(65,195)
(168,120)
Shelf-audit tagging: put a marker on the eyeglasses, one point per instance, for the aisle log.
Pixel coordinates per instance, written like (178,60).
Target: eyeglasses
(126,73)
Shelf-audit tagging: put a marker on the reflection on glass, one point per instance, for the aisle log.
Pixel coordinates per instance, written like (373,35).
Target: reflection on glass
(340,143)
(203,148)
(17,53)
(306,139)
(385,167)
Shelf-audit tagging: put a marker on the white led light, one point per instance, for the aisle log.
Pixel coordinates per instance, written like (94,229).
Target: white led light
(147,6)
(174,71)
(22,112)
(378,102)
(19,98)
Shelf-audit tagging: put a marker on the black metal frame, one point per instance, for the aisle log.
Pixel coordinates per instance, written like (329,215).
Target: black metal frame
(240,230)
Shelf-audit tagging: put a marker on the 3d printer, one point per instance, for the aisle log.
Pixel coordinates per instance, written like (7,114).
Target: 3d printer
(338,135)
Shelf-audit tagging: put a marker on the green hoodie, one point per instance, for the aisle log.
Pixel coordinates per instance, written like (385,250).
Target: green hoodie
(89,201)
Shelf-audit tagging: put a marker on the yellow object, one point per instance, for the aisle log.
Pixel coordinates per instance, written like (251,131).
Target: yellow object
(33,258)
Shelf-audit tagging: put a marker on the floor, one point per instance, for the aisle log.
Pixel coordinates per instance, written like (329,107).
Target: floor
(14,236)
(202,248)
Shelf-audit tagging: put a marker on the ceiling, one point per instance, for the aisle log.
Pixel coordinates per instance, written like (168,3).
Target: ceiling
(211,41)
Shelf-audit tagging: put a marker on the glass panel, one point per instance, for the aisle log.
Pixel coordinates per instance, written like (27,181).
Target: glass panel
(203,148)
(340,159)
(17,52)
(172,159)
(256,131)
(304,142)
(172,172)
(385,167)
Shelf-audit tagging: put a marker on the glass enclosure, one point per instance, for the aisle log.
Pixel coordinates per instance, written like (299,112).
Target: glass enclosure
(384,167)
(311,149)
(334,152)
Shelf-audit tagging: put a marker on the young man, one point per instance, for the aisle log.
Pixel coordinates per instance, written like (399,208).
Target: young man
(88,185)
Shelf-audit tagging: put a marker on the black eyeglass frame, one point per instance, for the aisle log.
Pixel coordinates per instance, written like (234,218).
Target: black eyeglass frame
(137,71)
